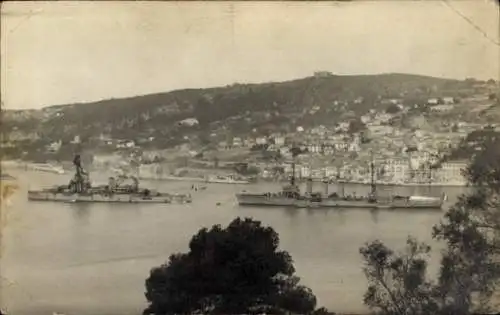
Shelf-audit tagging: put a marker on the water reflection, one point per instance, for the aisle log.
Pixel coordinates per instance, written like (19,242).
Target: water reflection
(290,212)
(341,213)
(81,212)
(374,214)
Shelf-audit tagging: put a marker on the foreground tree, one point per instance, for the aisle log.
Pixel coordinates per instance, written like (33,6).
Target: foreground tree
(470,264)
(397,282)
(470,267)
(236,270)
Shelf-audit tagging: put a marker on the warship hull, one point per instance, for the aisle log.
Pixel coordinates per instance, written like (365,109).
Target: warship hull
(264,200)
(102,198)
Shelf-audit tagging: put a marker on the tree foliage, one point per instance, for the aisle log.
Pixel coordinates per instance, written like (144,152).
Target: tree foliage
(470,266)
(398,283)
(246,170)
(235,270)
(356,125)
(392,109)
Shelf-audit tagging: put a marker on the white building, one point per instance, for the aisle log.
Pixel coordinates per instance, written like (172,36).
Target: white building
(433,101)
(76,139)
(237,142)
(55,146)
(330,171)
(449,100)
(305,171)
(451,173)
(126,144)
(354,147)
(189,122)
(322,74)
(365,119)
(396,170)
(417,159)
(383,117)
(344,126)
(261,140)
(279,141)
(442,108)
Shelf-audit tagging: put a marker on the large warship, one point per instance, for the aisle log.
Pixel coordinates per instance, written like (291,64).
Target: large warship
(291,196)
(80,189)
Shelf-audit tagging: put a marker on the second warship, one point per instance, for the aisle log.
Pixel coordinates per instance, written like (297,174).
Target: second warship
(291,196)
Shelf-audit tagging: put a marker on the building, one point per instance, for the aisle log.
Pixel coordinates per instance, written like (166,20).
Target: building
(189,122)
(343,126)
(54,146)
(261,140)
(279,141)
(365,119)
(237,142)
(449,100)
(451,173)
(76,139)
(305,171)
(432,101)
(442,108)
(396,171)
(16,135)
(383,117)
(394,101)
(322,74)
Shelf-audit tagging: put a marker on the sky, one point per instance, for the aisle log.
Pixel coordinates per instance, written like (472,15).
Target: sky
(56,53)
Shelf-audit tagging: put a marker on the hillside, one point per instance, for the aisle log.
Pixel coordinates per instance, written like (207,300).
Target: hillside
(238,108)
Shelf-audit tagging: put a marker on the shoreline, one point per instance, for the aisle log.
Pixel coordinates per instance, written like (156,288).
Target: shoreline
(383,184)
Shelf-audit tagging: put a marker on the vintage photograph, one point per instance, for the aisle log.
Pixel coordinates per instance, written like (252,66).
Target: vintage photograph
(162,158)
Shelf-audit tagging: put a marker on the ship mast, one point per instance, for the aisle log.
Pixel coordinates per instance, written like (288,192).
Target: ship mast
(372,173)
(295,151)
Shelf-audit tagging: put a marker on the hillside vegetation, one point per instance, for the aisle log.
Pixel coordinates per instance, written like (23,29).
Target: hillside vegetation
(239,108)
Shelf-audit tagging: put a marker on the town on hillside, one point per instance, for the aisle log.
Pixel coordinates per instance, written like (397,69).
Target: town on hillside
(418,131)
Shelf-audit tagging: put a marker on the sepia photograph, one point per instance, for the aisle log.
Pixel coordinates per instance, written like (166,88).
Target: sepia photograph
(250,157)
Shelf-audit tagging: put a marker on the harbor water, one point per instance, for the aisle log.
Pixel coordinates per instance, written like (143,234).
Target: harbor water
(94,258)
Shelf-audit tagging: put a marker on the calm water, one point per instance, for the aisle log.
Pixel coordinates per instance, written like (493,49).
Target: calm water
(93,259)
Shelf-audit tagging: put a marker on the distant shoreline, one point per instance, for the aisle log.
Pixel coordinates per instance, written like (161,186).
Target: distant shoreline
(354,182)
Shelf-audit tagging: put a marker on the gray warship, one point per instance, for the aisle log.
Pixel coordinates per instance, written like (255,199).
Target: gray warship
(291,196)
(80,189)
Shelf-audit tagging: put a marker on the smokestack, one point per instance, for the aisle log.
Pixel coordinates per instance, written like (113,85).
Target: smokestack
(309,186)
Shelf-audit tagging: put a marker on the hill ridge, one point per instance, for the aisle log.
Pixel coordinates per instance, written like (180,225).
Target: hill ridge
(237,109)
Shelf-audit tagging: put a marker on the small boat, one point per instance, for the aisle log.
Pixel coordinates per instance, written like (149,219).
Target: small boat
(79,189)
(213,179)
(183,178)
(49,168)
(229,179)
